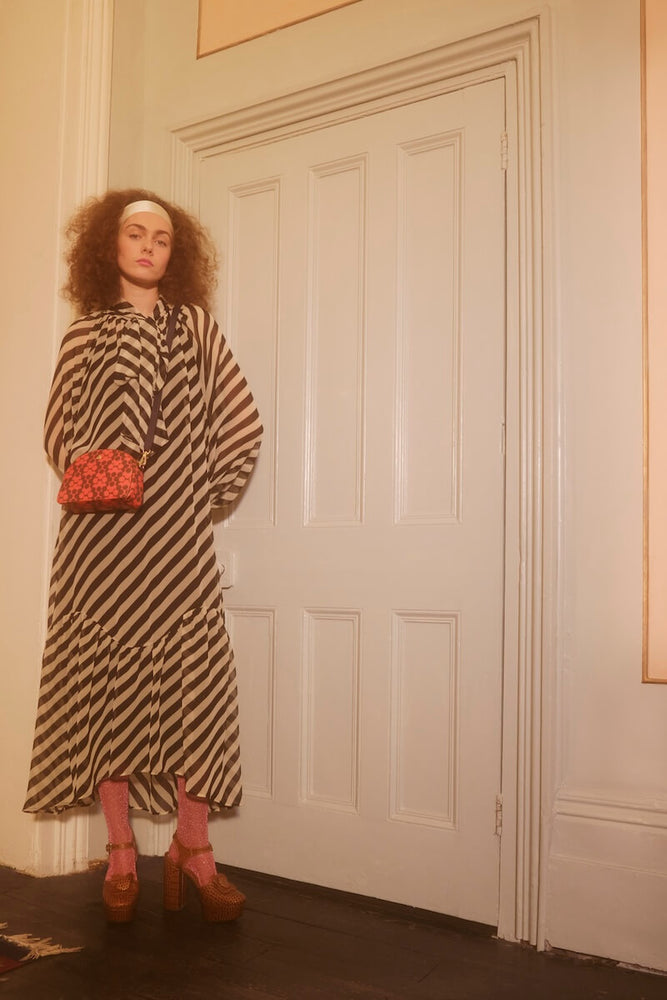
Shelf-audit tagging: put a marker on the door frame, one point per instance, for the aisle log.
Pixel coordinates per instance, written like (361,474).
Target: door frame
(518,54)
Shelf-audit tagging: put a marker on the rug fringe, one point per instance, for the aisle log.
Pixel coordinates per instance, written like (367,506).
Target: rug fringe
(37,947)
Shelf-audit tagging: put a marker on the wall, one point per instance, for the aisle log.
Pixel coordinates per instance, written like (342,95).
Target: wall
(54,108)
(655,652)
(126,148)
(608,853)
(29,181)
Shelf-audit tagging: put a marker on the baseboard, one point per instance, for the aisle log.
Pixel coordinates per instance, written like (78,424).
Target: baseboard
(607,880)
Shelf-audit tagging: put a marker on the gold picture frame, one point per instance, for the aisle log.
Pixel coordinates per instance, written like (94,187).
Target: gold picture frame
(653,14)
(224,23)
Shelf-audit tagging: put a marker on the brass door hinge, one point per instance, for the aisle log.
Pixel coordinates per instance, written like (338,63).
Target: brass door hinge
(499,815)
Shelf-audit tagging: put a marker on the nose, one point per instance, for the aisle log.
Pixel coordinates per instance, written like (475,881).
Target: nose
(148,245)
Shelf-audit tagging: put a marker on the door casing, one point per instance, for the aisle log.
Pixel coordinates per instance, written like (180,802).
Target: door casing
(515,53)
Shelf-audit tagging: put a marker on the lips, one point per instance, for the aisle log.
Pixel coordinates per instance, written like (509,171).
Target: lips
(145,262)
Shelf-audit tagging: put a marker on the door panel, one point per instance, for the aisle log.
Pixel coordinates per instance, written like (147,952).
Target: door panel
(364,295)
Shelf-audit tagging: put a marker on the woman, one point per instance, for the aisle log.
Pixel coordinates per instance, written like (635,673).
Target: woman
(138,700)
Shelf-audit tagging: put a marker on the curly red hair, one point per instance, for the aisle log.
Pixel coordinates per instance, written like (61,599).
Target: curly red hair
(94,280)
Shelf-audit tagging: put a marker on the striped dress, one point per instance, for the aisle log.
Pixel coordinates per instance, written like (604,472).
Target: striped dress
(138,678)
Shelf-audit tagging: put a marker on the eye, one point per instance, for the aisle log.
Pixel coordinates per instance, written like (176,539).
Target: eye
(162,243)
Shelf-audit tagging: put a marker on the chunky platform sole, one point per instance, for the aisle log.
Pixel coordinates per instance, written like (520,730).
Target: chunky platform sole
(220,900)
(119,896)
(121,892)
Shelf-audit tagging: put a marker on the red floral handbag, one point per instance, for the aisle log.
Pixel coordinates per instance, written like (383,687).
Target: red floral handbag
(111,479)
(107,479)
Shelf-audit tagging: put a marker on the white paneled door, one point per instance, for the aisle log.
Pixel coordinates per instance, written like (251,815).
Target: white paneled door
(364,294)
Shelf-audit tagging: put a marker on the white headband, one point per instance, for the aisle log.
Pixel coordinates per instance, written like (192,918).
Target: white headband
(145,206)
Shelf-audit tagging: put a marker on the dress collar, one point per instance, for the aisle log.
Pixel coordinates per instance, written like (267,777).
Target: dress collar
(160,312)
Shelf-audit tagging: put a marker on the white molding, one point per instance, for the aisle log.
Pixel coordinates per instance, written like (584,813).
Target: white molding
(235,613)
(515,52)
(448,819)
(619,911)
(71,843)
(392,85)
(62,845)
(95,109)
(310,618)
(548,761)
(454,140)
(153,833)
(633,812)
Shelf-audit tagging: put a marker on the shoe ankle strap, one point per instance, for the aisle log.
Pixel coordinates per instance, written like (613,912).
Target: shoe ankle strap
(185,853)
(120,847)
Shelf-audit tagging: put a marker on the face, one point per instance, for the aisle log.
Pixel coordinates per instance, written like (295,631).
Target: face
(144,249)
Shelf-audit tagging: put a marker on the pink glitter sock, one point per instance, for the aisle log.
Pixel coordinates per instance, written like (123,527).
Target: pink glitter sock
(114,797)
(192,830)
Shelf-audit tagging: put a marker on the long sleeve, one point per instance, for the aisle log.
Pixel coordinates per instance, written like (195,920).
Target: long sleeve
(235,429)
(59,418)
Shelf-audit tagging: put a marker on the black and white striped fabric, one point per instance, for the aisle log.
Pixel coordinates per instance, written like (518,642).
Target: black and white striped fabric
(138,678)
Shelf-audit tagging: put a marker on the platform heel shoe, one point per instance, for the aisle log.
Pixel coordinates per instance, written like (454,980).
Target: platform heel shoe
(120,892)
(220,900)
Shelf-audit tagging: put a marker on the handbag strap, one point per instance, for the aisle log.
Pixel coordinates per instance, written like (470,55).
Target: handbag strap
(157,398)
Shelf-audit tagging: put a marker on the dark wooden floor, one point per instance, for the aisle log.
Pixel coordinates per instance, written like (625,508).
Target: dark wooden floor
(292,941)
